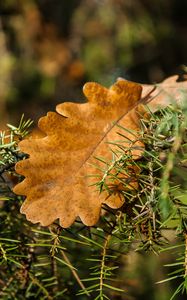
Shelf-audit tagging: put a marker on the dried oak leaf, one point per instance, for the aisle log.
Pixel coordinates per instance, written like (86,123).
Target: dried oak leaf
(164,93)
(57,173)
(167,92)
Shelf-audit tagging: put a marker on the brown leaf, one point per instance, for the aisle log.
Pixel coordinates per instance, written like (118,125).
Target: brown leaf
(167,92)
(57,182)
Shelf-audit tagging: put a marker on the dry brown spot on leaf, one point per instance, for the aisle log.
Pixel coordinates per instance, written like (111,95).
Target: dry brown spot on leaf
(57,182)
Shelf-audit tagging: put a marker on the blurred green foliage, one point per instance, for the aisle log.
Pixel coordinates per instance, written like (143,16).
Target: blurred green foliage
(53,47)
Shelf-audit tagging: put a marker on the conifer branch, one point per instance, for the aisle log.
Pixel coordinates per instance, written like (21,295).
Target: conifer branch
(185,260)
(138,224)
(102,270)
(75,274)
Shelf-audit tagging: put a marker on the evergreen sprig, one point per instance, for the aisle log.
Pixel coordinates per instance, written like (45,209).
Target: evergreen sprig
(42,263)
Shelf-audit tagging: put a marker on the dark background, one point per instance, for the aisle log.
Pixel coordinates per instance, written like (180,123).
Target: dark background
(50,48)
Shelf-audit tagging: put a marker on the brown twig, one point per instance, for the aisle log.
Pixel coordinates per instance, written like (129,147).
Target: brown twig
(53,249)
(75,274)
(103,265)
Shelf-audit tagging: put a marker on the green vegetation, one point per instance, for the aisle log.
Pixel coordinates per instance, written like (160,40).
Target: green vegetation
(82,262)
